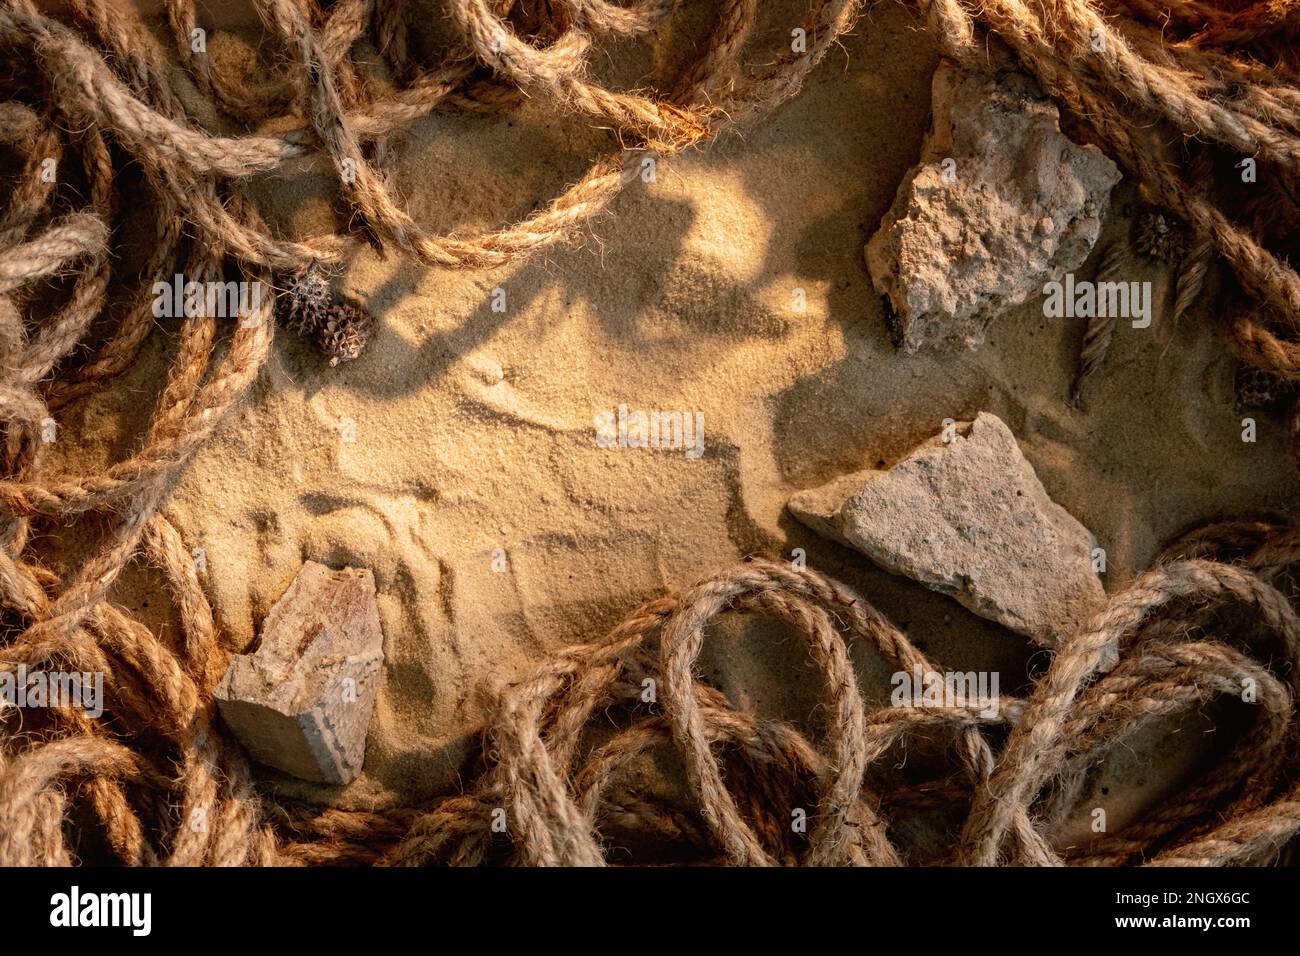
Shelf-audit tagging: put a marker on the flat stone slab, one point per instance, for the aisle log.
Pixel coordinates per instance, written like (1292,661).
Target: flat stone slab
(302,701)
(1000,203)
(969,519)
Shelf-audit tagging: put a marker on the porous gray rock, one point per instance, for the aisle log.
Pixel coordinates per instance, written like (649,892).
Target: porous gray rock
(968,518)
(1000,203)
(302,701)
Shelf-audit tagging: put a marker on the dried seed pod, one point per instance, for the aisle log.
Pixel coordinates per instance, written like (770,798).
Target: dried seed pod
(303,305)
(307,308)
(1260,390)
(343,332)
(1161,237)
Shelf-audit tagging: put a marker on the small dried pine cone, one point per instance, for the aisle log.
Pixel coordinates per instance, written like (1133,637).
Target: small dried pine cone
(344,332)
(1259,390)
(1161,237)
(302,307)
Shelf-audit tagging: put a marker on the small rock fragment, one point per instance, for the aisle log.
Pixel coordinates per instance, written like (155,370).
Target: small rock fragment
(302,701)
(1000,203)
(969,519)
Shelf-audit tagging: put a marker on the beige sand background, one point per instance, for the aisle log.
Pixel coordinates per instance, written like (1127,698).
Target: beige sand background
(473,429)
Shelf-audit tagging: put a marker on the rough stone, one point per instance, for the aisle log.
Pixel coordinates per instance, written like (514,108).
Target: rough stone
(302,701)
(969,519)
(1020,205)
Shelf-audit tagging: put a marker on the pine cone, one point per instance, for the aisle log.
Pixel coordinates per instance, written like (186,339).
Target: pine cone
(1161,237)
(1258,390)
(307,307)
(303,305)
(344,332)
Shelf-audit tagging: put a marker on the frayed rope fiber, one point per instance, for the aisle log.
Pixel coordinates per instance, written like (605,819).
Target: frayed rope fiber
(154,780)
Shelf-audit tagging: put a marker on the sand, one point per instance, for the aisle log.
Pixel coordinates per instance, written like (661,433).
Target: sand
(473,428)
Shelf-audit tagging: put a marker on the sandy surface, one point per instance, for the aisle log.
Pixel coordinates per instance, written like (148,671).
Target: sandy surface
(474,429)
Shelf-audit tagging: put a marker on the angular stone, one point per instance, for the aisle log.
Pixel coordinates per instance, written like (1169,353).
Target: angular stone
(1019,206)
(969,519)
(302,701)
